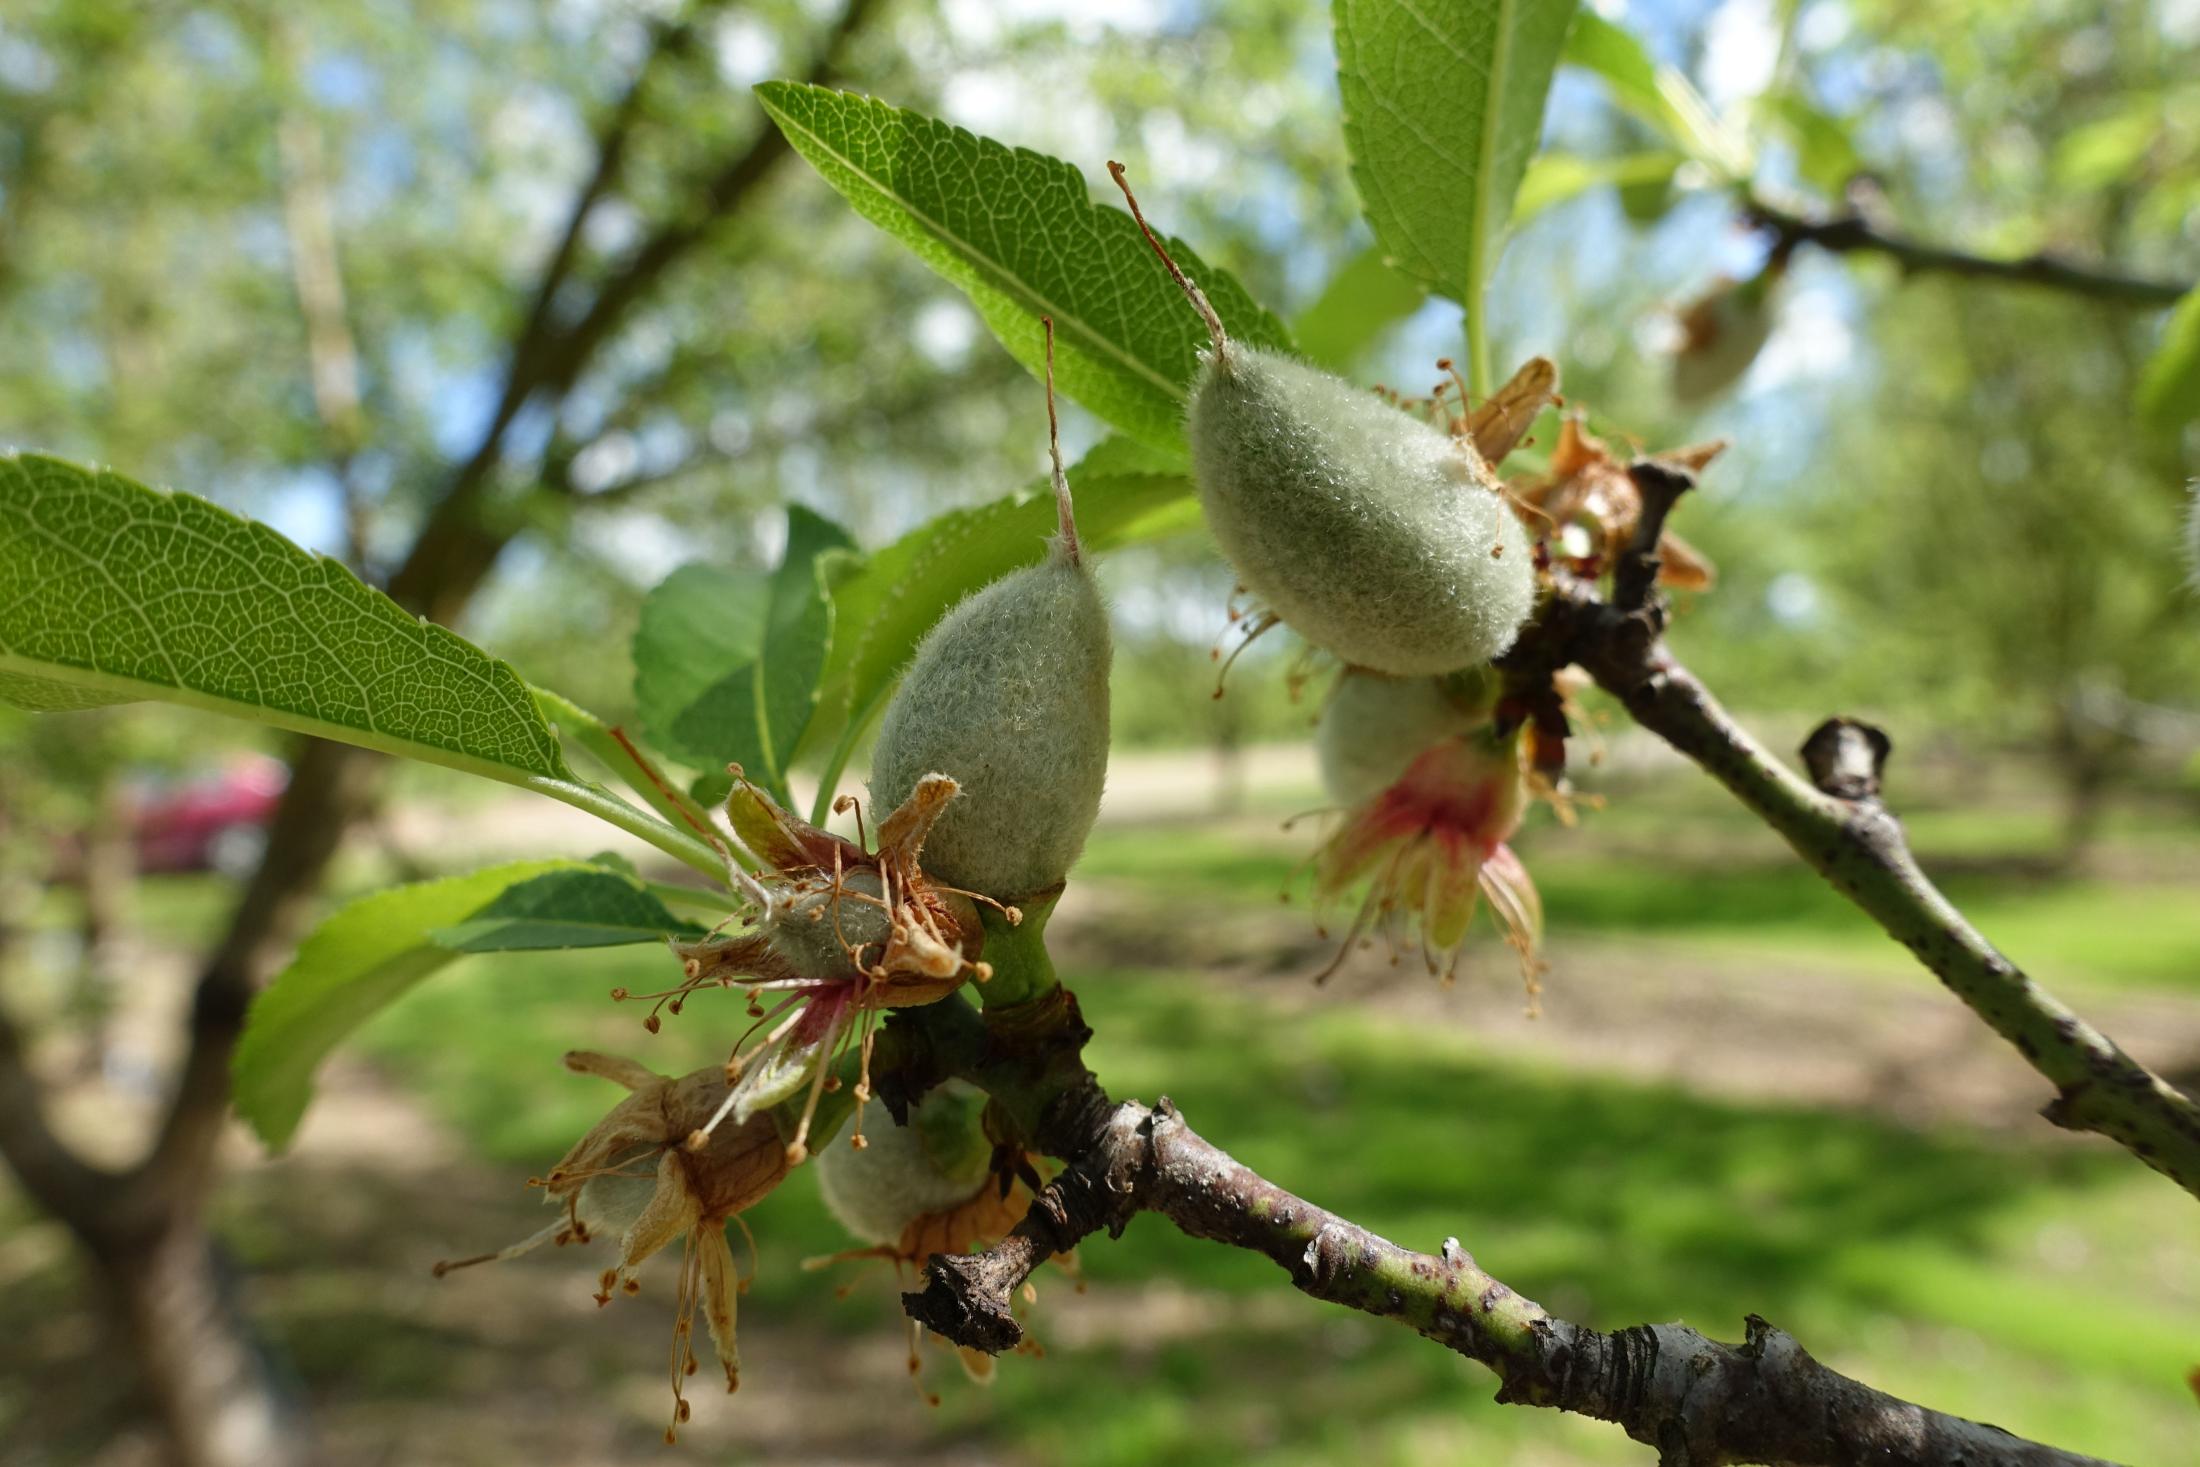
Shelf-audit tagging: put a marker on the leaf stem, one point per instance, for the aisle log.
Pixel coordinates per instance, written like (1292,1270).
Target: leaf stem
(828,780)
(1478,348)
(606,806)
(1022,970)
(593,734)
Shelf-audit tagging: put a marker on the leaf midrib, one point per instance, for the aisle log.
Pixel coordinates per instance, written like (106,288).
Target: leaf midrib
(1065,322)
(1493,117)
(138,690)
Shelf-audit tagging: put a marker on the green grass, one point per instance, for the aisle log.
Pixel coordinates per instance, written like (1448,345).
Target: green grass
(1681,864)
(2049,1287)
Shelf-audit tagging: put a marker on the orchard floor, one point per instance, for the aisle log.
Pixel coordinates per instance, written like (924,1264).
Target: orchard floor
(1738,1098)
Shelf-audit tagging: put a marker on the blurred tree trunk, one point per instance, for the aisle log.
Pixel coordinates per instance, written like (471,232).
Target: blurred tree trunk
(207,1379)
(2089,759)
(108,874)
(144,1229)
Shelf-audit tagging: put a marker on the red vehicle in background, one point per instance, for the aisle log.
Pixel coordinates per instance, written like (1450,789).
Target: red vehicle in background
(208,822)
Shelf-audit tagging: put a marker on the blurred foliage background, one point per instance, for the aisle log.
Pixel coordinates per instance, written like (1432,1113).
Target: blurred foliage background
(286,255)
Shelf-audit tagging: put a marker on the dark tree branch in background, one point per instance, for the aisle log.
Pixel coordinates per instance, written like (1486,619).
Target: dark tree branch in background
(142,1226)
(1852,233)
(457,546)
(317,278)
(1841,829)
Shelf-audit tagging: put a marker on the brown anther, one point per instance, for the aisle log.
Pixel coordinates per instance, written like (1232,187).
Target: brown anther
(797,1154)
(697,1140)
(859,1141)
(832,1084)
(618,994)
(653,1024)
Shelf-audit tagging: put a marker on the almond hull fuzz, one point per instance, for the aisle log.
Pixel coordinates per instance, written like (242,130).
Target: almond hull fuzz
(1373,535)
(1008,695)
(1374,726)
(937,1162)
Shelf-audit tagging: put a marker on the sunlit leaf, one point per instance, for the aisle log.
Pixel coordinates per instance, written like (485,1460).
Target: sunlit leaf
(1825,153)
(2169,391)
(1364,299)
(590,907)
(1554,178)
(1657,94)
(1443,106)
(112,592)
(355,964)
(1019,233)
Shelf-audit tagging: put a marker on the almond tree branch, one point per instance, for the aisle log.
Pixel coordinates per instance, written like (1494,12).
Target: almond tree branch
(1842,830)
(1852,233)
(1700,1403)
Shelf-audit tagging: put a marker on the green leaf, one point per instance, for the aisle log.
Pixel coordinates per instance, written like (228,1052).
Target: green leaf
(797,635)
(2095,154)
(114,592)
(1443,105)
(1554,178)
(698,625)
(1657,94)
(351,967)
(741,696)
(1019,233)
(1825,154)
(2169,390)
(1122,489)
(1364,299)
(589,907)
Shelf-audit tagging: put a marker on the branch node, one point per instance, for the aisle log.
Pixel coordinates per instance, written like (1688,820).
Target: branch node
(1846,758)
(1661,485)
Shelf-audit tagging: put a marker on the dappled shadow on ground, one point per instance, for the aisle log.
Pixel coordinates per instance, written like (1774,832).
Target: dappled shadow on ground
(1611,1202)
(1680,1136)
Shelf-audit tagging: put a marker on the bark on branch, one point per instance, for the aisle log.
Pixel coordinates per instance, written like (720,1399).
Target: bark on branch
(1842,830)
(1699,1402)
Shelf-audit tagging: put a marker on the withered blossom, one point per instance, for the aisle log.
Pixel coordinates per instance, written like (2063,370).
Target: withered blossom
(635,1176)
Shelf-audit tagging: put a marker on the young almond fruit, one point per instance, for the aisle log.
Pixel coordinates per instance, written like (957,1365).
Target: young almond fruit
(938,1184)
(1374,725)
(1008,696)
(1372,534)
(937,1162)
(1432,792)
(1722,331)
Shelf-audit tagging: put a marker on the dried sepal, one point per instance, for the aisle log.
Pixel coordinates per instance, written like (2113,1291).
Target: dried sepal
(634,1175)
(848,933)
(1589,506)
